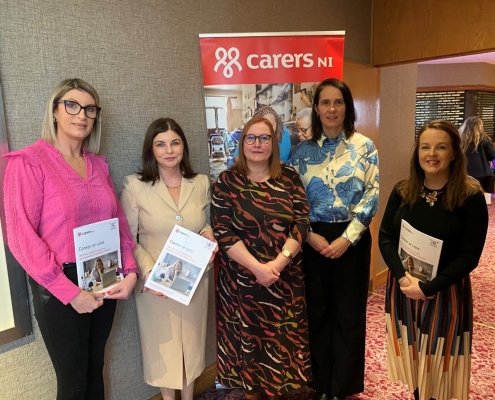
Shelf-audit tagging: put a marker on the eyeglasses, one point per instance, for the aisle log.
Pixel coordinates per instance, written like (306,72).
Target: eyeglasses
(74,108)
(263,139)
(302,131)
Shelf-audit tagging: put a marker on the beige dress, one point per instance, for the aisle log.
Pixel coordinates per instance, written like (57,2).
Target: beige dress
(172,335)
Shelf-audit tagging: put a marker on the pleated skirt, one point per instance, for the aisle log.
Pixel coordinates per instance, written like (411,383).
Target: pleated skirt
(429,342)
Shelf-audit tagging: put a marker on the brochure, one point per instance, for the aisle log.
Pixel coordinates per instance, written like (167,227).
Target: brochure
(420,253)
(181,264)
(98,257)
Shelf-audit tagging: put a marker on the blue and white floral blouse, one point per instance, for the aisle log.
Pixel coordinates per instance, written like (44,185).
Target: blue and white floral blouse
(341,180)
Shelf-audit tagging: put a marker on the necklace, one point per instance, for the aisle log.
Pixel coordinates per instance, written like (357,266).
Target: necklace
(430,196)
(79,162)
(173,187)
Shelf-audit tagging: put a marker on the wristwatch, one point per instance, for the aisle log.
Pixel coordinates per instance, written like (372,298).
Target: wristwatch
(286,253)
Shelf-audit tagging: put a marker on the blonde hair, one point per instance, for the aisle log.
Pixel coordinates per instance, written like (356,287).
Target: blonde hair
(472,131)
(49,128)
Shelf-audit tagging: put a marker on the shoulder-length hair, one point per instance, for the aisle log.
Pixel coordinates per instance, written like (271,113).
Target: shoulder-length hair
(279,125)
(49,127)
(241,166)
(350,111)
(459,185)
(472,131)
(149,171)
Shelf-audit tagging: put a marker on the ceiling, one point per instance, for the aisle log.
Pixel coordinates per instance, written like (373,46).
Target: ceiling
(473,58)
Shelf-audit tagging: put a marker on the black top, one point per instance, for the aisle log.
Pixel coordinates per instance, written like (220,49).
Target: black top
(463,232)
(478,160)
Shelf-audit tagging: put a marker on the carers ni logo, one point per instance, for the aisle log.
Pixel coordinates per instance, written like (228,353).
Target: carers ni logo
(84,233)
(232,55)
(231,60)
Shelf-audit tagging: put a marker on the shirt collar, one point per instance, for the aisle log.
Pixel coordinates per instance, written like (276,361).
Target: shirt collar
(339,138)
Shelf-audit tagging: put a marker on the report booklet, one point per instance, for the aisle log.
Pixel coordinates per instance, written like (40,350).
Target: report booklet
(98,257)
(420,253)
(181,264)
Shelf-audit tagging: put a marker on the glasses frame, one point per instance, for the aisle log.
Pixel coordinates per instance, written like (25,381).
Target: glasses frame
(258,137)
(303,131)
(98,109)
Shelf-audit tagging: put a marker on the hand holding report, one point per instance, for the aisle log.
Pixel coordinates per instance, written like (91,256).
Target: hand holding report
(420,253)
(181,264)
(98,258)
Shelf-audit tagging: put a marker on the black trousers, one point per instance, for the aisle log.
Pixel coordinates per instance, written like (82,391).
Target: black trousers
(336,294)
(75,342)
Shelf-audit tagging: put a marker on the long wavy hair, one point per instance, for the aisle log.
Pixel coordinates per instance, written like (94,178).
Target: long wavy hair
(472,131)
(149,171)
(49,128)
(241,166)
(350,111)
(459,185)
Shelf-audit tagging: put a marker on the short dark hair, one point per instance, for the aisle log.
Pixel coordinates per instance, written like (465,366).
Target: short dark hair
(350,110)
(149,169)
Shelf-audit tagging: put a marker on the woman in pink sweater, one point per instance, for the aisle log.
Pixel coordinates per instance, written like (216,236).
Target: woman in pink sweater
(52,187)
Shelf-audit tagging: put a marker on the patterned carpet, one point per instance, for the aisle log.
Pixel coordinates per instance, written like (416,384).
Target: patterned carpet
(377,385)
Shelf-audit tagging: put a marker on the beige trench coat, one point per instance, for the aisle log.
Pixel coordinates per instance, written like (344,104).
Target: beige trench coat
(170,332)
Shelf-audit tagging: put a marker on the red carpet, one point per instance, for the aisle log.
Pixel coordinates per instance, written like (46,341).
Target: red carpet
(377,385)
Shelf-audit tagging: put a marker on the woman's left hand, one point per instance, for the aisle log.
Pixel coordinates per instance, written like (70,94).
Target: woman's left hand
(413,291)
(209,235)
(335,250)
(123,289)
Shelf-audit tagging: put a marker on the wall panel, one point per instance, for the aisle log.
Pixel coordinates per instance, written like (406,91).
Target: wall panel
(364,82)
(411,30)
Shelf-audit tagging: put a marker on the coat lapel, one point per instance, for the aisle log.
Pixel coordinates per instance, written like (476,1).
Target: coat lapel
(161,189)
(186,190)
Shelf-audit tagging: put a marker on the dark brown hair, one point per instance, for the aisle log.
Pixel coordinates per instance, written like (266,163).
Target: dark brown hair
(350,111)
(274,167)
(459,185)
(149,171)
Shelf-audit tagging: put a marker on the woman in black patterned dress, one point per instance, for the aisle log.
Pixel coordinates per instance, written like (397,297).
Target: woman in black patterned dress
(260,218)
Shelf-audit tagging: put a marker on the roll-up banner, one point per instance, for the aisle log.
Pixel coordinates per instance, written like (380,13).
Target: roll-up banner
(245,72)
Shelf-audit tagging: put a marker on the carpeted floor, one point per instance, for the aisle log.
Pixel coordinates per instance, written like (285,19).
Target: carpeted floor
(377,385)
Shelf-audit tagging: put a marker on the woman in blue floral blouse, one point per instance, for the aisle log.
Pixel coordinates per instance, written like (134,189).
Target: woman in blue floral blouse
(339,169)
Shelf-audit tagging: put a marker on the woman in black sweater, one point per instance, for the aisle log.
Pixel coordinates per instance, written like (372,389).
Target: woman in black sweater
(429,324)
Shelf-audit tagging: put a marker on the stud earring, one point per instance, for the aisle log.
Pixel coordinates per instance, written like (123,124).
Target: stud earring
(54,119)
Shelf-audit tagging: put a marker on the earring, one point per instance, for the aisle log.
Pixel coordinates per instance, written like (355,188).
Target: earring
(55,119)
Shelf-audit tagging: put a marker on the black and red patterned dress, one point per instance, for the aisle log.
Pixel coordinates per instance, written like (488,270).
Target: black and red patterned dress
(262,332)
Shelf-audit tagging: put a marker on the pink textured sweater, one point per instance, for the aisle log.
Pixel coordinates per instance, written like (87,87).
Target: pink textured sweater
(45,199)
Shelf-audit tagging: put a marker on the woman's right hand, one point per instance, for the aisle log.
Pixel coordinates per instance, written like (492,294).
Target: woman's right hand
(85,302)
(317,242)
(266,275)
(146,289)
(404,282)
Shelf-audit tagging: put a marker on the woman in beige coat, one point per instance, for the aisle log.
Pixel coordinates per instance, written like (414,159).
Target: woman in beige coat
(164,193)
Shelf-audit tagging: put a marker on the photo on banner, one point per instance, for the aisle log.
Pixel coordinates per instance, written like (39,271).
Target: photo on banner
(243,73)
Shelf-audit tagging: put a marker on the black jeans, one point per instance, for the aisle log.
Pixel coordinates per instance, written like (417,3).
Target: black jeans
(336,295)
(75,342)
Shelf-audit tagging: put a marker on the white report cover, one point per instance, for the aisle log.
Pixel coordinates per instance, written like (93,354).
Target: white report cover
(98,257)
(181,264)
